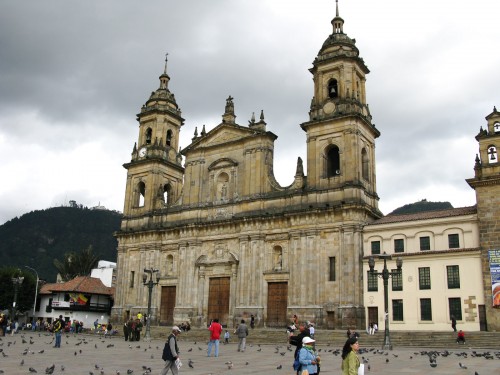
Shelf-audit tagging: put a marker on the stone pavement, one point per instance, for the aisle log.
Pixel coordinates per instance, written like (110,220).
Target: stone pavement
(82,353)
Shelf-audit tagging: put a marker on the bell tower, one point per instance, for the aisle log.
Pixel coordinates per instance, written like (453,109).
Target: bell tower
(486,183)
(155,173)
(340,135)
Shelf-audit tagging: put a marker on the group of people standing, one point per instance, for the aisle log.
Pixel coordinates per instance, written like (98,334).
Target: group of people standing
(132,329)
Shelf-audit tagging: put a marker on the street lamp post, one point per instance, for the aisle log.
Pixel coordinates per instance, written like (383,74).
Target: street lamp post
(385,275)
(17,281)
(36,288)
(150,284)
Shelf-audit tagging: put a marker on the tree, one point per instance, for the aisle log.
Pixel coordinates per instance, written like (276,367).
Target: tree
(25,294)
(76,264)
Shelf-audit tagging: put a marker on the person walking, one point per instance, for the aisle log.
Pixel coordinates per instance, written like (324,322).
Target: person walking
(454,323)
(171,353)
(215,332)
(242,333)
(58,327)
(308,358)
(350,360)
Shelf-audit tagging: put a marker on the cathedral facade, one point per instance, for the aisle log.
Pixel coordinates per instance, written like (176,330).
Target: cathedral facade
(224,238)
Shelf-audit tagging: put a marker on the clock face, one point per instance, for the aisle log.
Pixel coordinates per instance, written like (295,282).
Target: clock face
(142,152)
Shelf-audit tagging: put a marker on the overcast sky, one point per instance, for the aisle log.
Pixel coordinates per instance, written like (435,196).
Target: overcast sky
(73,75)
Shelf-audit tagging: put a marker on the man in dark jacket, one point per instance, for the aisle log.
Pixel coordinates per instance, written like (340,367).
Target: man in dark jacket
(171,353)
(297,340)
(58,327)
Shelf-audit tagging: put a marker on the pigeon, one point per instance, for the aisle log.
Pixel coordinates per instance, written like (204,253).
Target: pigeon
(129,371)
(50,370)
(462,366)
(229,364)
(279,367)
(433,364)
(62,368)
(190,349)
(22,363)
(190,363)
(32,370)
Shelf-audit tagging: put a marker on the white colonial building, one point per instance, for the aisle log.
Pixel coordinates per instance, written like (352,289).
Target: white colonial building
(441,273)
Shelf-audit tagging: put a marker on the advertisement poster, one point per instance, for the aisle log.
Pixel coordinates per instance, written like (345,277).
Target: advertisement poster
(494,256)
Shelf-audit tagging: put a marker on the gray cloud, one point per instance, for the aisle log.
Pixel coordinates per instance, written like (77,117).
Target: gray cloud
(74,74)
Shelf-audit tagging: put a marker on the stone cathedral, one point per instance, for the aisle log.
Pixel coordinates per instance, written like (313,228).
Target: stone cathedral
(227,240)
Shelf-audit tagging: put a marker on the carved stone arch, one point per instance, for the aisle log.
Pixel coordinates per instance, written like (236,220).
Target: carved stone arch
(202,260)
(222,163)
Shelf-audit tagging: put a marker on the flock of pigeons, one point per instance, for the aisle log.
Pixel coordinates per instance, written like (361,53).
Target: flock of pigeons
(99,343)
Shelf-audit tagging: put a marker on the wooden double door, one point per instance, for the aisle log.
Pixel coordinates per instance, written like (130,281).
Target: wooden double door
(218,299)
(167,305)
(277,304)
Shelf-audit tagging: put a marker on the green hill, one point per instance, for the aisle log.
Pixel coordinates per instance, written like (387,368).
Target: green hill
(37,238)
(421,206)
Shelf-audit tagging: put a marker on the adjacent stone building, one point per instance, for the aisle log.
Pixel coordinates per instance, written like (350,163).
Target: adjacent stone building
(228,241)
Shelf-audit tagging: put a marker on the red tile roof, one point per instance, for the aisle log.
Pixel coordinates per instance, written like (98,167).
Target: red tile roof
(80,284)
(426,215)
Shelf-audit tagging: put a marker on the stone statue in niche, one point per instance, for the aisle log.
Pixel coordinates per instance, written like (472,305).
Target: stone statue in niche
(278,260)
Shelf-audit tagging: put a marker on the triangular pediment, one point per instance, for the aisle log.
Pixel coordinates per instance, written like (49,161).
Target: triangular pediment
(222,134)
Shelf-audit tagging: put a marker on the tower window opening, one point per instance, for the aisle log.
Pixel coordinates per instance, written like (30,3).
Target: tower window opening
(149,135)
(333,89)
(492,154)
(365,165)
(333,162)
(141,194)
(167,196)
(169,138)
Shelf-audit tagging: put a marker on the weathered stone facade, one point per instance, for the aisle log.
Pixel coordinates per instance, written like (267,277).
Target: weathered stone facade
(486,182)
(227,239)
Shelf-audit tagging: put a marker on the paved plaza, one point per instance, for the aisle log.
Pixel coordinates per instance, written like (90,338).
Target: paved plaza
(90,354)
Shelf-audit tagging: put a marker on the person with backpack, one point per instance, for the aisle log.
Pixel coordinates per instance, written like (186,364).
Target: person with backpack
(171,353)
(58,327)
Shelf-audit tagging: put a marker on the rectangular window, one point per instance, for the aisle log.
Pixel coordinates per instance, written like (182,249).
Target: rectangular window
(375,247)
(455,308)
(372,282)
(399,245)
(453,274)
(425,309)
(453,241)
(331,273)
(425,243)
(397,310)
(132,275)
(424,278)
(397,280)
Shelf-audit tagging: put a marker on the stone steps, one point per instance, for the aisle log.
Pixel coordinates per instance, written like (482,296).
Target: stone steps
(336,338)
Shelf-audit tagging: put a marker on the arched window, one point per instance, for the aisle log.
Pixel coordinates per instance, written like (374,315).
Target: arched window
(141,194)
(222,186)
(492,154)
(332,161)
(364,165)
(169,138)
(333,89)
(149,135)
(167,196)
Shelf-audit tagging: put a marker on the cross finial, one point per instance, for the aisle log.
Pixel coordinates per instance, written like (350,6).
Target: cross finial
(166,60)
